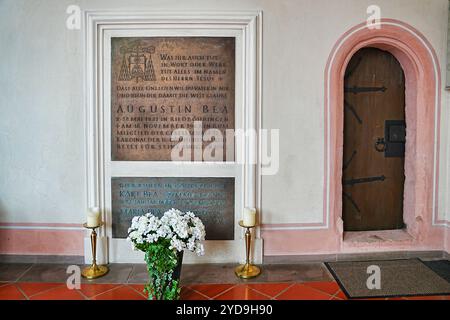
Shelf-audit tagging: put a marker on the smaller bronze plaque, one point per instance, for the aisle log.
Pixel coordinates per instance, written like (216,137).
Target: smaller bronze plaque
(211,199)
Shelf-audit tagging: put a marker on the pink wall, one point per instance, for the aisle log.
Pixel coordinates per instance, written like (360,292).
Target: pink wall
(423,92)
(42,239)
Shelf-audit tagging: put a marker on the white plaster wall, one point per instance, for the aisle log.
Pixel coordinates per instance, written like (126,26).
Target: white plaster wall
(41,123)
(41,98)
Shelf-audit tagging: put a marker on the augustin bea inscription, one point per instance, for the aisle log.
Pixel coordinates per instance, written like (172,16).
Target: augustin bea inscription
(168,78)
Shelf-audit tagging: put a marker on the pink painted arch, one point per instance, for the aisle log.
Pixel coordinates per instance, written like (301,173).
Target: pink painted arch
(422,73)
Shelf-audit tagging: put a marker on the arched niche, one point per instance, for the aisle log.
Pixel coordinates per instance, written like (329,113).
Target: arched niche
(422,106)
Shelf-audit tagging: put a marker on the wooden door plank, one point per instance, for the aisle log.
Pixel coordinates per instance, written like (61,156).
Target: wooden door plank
(380,203)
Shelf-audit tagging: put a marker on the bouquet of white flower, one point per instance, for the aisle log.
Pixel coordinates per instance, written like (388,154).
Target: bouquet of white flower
(184,230)
(163,240)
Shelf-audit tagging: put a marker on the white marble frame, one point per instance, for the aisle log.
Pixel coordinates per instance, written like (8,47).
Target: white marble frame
(247,26)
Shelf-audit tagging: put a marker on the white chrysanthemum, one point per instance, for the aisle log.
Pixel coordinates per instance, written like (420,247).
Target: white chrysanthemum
(135,222)
(184,230)
(181,228)
(177,244)
(151,237)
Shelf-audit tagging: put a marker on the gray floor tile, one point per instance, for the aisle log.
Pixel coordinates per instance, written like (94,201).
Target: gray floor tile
(208,273)
(46,273)
(198,274)
(139,274)
(10,272)
(293,273)
(190,274)
(118,273)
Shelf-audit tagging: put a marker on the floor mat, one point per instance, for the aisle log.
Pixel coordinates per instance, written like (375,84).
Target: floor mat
(441,267)
(397,278)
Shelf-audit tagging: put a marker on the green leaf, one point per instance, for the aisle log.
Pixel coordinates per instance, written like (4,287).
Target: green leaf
(161,263)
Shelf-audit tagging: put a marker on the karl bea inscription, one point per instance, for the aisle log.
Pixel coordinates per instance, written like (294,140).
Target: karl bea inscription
(211,199)
(159,84)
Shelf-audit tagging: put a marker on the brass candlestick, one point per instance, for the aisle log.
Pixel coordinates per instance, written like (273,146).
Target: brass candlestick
(247,270)
(94,270)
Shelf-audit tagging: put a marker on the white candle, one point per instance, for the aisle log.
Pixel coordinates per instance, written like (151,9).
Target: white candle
(93,217)
(249,217)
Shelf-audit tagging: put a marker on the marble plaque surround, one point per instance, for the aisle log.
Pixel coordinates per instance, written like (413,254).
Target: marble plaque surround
(241,28)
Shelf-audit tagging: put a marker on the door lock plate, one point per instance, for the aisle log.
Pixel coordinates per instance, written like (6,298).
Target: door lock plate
(395,138)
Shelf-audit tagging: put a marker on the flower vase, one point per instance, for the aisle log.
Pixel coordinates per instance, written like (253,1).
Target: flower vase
(177,270)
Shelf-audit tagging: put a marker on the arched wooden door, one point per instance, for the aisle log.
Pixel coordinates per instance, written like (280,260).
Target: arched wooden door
(374,142)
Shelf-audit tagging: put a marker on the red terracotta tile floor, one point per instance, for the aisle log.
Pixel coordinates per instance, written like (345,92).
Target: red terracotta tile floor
(328,290)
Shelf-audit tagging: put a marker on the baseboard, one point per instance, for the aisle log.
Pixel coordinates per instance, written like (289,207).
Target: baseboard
(446,255)
(13,258)
(319,258)
(216,252)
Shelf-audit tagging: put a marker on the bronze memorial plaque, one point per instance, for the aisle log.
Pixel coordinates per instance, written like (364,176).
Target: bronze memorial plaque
(159,84)
(211,199)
